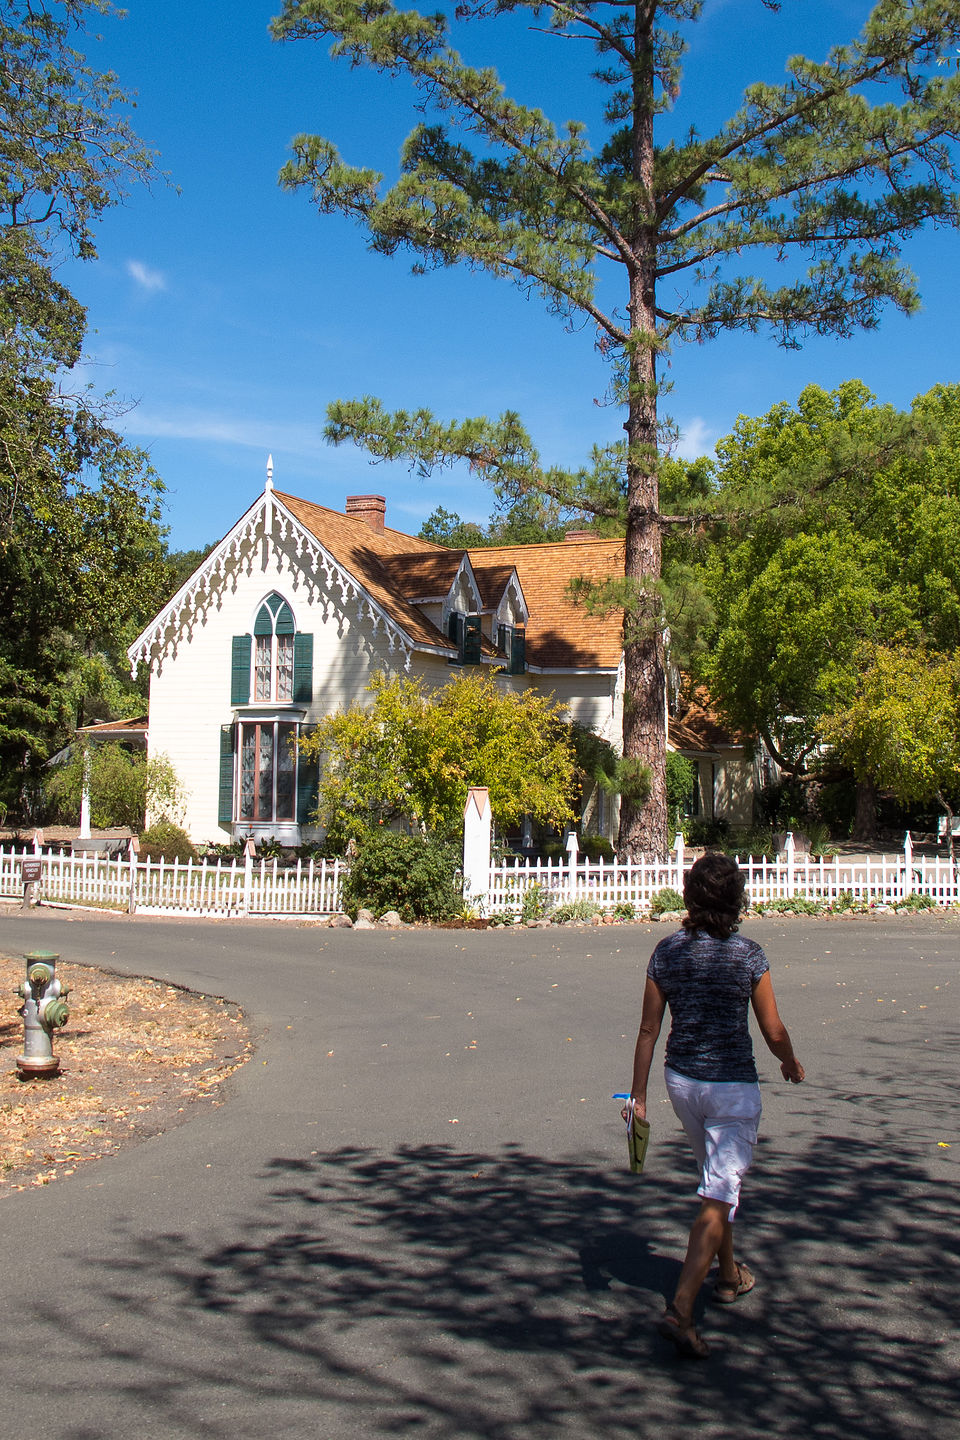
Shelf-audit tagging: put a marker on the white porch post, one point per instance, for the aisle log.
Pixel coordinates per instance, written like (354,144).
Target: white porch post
(477,830)
(85,798)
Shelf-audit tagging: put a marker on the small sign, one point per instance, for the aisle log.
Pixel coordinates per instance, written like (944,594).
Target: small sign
(30,871)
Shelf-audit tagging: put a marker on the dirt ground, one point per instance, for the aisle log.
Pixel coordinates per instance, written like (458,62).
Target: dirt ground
(135,1055)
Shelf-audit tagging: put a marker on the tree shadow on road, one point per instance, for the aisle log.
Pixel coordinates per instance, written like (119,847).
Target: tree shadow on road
(462,1295)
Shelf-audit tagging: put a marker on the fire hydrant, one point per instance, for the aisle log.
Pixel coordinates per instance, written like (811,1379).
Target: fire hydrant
(44,1010)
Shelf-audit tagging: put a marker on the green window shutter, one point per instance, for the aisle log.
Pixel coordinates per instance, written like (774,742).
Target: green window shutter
(264,621)
(240,676)
(285,625)
(470,650)
(308,776)
(518,651)
(303,668)
(225,814)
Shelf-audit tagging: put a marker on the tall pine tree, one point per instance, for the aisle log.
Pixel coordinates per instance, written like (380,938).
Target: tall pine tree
(828,173)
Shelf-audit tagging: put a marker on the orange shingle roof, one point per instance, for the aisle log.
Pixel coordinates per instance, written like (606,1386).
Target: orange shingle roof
(395,569)
(561,634)
(365,553)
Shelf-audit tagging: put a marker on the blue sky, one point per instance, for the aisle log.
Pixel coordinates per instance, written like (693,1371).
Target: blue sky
(226,314)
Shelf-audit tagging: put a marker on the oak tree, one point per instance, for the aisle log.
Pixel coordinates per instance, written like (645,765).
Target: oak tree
(80,538)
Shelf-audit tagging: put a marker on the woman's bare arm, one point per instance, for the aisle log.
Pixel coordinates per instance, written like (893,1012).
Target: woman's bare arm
(651,1018)
(773,1029)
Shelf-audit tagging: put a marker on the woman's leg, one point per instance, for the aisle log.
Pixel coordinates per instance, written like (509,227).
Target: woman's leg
(729,1271)
(710,1231)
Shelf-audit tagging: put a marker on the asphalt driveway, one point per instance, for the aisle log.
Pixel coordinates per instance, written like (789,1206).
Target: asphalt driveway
(414,1217)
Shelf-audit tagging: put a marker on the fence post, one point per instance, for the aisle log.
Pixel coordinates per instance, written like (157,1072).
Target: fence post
(132,897)
(249,850)
(477,827)
(789,850)
(573,855)
(907,865)
(678,860)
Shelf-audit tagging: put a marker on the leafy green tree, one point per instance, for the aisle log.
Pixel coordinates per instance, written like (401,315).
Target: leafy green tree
(446,527)
(838,522)
(124,786)
(80,537)
(531,519)
(412,755)
(827,172)
(900,730)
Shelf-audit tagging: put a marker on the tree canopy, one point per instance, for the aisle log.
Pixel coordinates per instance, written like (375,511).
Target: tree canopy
(834,548)
(81,544)
(827,172)
(900,729)
(411,755)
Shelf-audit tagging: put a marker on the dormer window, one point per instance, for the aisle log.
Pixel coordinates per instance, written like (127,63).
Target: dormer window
(512,640)
(465,632)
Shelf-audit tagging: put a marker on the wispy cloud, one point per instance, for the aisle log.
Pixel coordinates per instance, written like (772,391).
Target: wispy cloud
(696,439)
(223,429)
(145,277)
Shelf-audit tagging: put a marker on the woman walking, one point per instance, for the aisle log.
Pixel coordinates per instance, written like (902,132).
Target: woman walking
(710,977)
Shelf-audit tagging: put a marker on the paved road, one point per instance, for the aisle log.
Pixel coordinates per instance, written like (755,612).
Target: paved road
(414,1217)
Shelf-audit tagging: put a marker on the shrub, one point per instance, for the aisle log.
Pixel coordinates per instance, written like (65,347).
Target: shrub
(596,847)
(412,874)
(681,780)
(166,841)
(819,836)
(706,832)
(123,785)
(537,902)
(624,910)
(917,902)
(575,910)
(665,900)
(796,905)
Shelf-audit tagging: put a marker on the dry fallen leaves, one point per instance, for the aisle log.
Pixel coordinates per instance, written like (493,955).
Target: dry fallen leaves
(135,1054)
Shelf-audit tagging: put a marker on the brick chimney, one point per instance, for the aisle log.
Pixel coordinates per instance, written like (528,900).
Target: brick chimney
(370,508)
(572,536)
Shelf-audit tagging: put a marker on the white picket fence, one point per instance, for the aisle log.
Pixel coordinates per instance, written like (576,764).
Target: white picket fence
(866,880)
(168,887)
(263,887)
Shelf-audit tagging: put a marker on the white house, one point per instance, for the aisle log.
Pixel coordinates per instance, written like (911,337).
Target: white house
(292,613)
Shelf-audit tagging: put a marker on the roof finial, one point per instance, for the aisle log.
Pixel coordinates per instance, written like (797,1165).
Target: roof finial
(269,484)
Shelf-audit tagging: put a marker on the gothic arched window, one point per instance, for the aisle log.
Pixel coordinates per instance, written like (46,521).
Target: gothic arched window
(273,650)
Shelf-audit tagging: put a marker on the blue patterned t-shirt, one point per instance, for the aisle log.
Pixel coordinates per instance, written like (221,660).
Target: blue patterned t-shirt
(708,984)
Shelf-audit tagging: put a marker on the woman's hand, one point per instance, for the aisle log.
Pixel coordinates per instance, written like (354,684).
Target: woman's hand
(792,1070)
(635,1106)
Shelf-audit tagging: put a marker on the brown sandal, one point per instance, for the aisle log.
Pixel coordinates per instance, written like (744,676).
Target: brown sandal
(726,1291)
(683,1333)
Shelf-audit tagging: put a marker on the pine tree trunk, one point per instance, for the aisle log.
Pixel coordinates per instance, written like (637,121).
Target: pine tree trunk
(643,828)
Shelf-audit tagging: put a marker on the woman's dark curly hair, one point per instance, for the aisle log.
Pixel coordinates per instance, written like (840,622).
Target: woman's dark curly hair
(713,894)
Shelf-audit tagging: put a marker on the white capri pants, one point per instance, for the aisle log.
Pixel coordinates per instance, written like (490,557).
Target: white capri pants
(721,1119)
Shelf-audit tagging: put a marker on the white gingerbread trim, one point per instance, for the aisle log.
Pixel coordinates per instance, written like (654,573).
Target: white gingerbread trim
(268,521)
